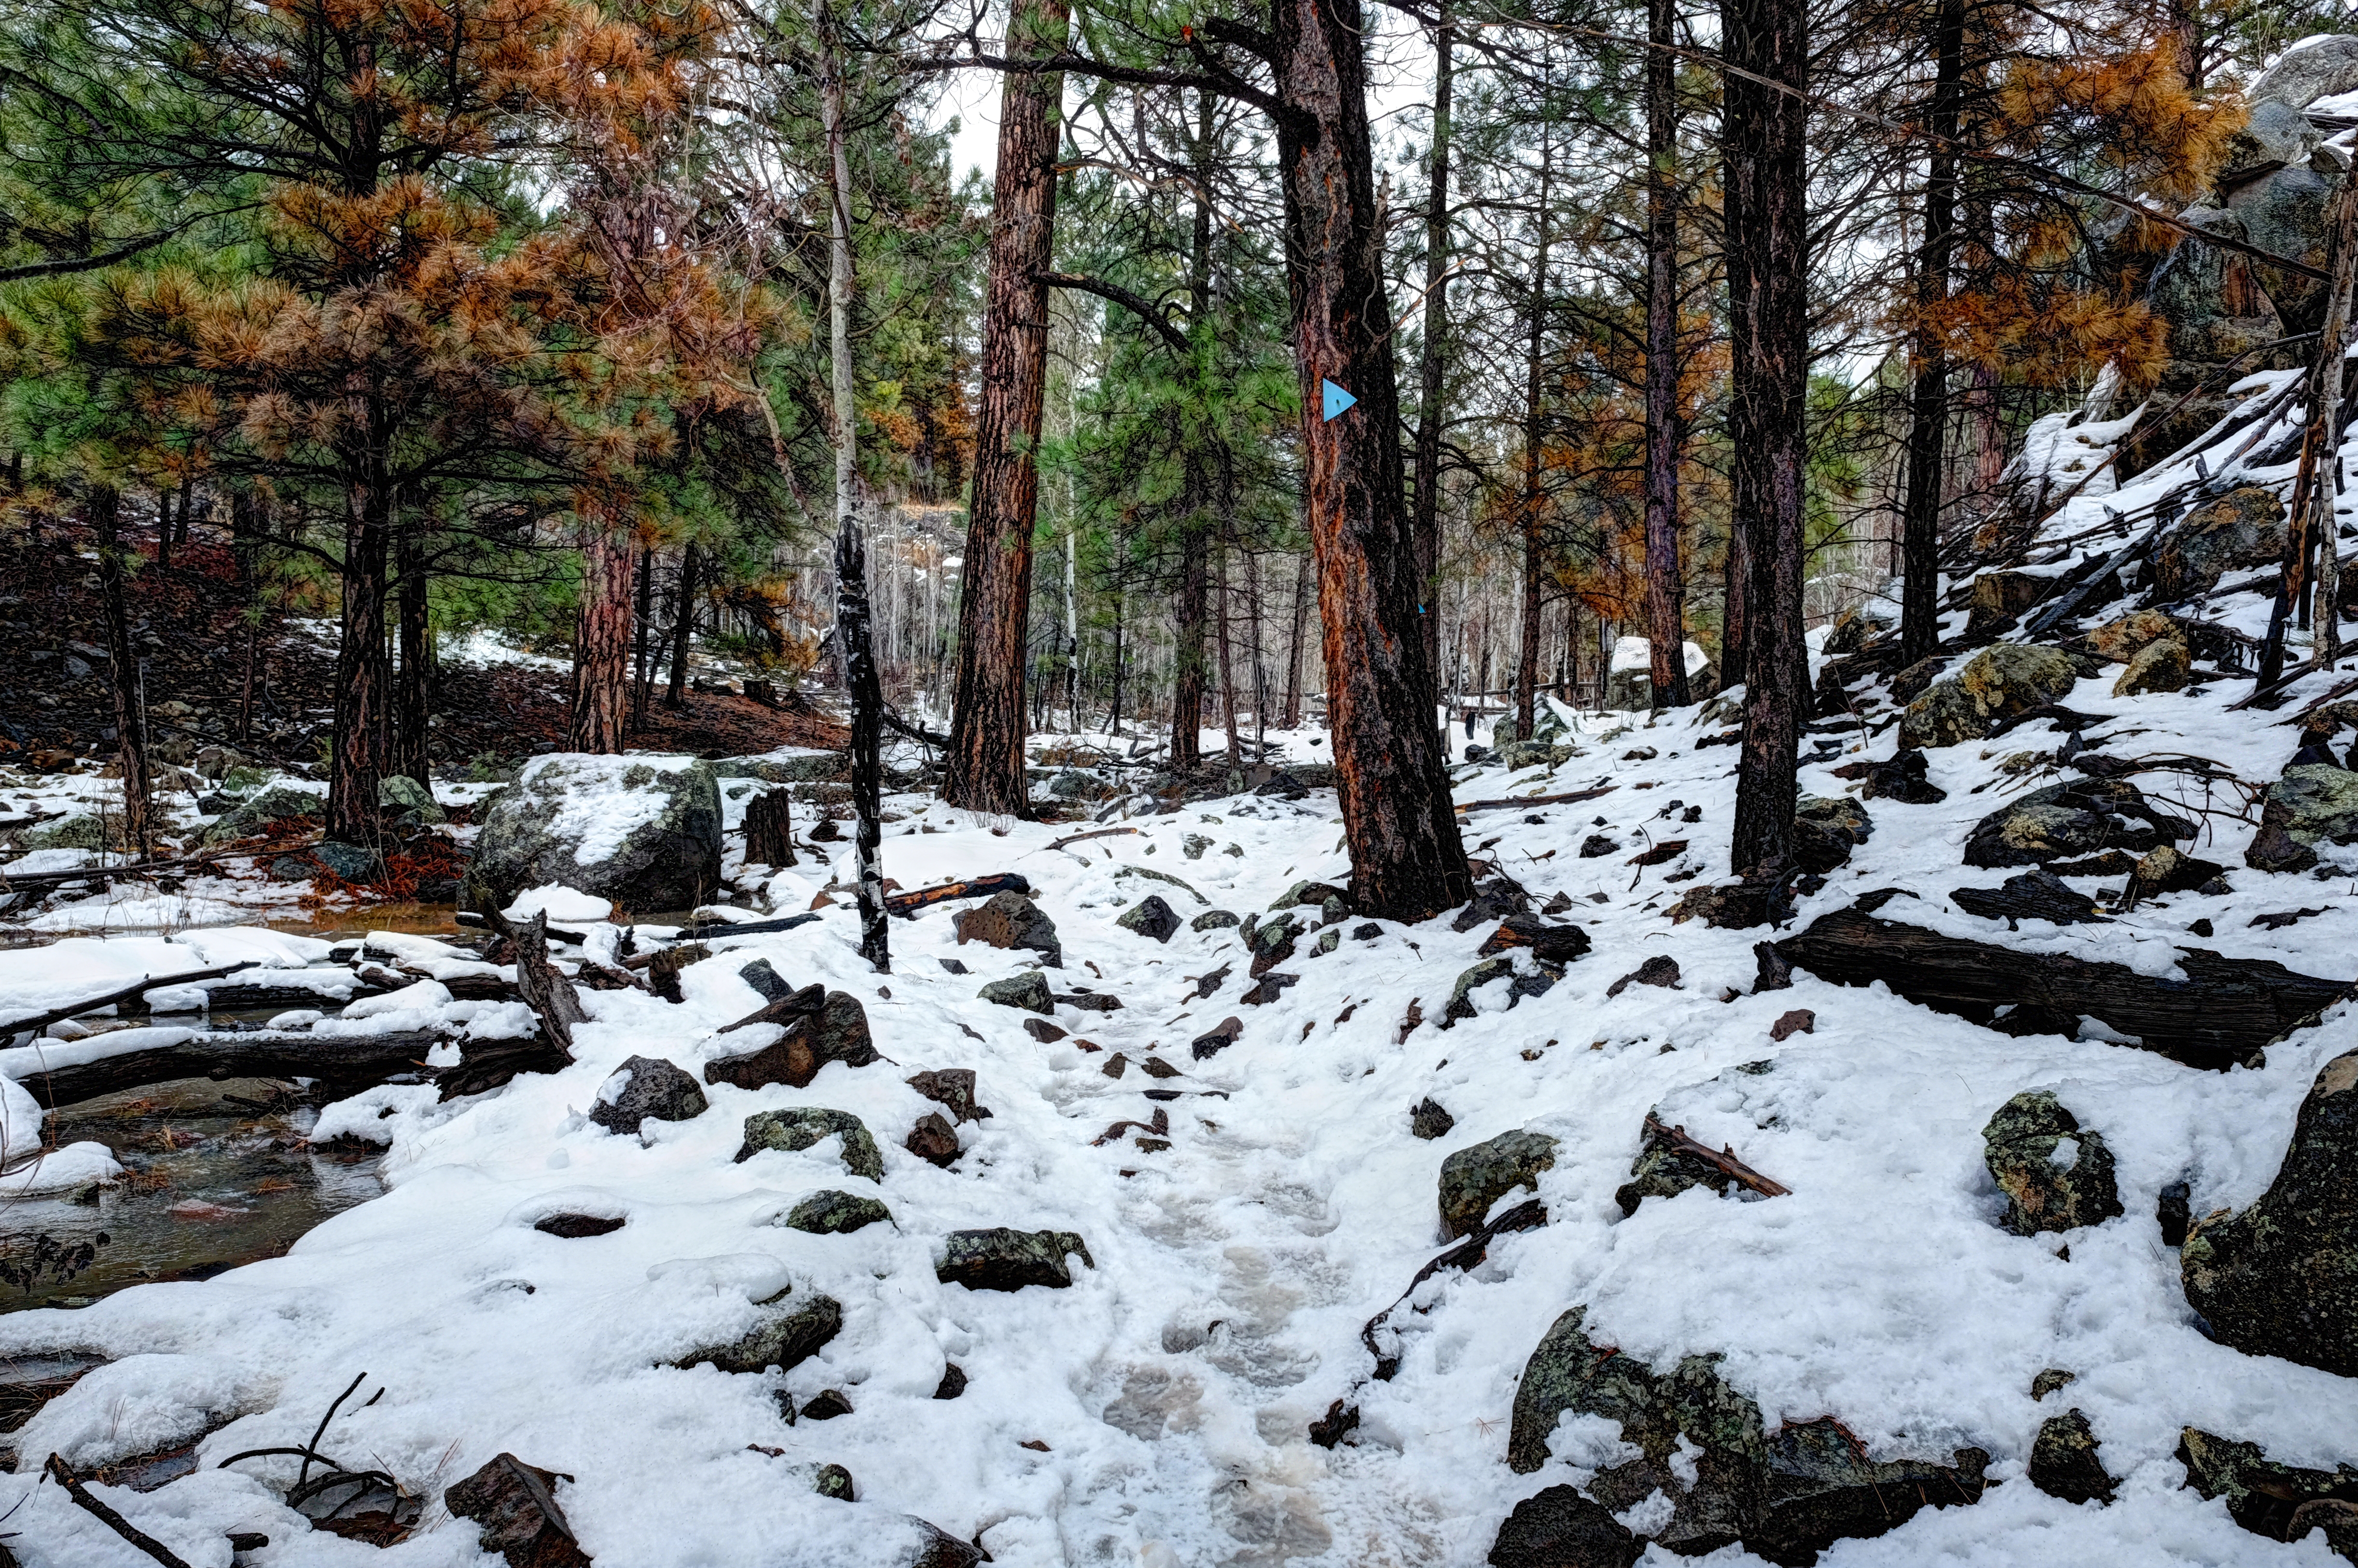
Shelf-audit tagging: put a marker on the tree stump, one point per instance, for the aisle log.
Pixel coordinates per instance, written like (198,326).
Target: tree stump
(769,830)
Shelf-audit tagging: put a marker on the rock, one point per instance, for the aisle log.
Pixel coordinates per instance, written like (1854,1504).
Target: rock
(785,1338)
(1474,1178)
(346,862)
(578,1227)
(1152,918)
(952,1381)
(799,1127)
(643,832)
(2056,1176)
(1273,943)
(1012,921)
(2159,666)
(1212,920)
(2243,527)
(1461,999)
(1761,897)
(399,792)
(1549,944)
(1194,845)
(1269,987)
(1597,845)
(2173,1213)
(1801,1021)
(1663,1171)
(644,1088)
(1217,1038)
(2267,1499)
(1516,754)
(1916,680)
(1817,1488)
(819,1026)
(1659,971)
(834,1481)
(277,803)
(827,1404)
(1428,1121)
(2281,1278)
(766,979)
(1997,682)
(934,1140)
(2309,805)
(1825,831)
(1005,1260)
(2052,1380)
(2000,595)
(2063,1462)
(938,1548)
(1028,990)
(837,1214)
(1495,898)
(1560,1528)
(515,1506)
(2034,895)
(2120,639)
(2277,135)
(953,1087)
(2322,66)
(2076,817)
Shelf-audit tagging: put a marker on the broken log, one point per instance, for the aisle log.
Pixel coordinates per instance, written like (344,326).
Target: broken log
(1100,833)
(743,929)
(2223,1012)
(1723,1160)
(122,994)
(549,994)
(1576,795)
(770,829)
(974,887)
(335,1059)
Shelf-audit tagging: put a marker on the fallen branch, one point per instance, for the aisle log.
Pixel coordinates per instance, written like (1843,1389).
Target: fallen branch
(55,1469)
(1578,794)
(1100,833)
(548,994)
(974,887)
(743,929)
(122,994)
(336,1059)
(1724,1161)
(497,923)
(33,880)
(1527,1215)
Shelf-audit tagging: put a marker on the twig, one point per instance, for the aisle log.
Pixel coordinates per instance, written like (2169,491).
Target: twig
(1100,833)
(303,1474)
(1578,794)
(55,1470)
(1527,1215)
(1724,1161)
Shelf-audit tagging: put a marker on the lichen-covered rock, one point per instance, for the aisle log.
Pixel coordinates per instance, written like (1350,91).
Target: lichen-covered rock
(1472,1179)
(2159,667)
(2245,528)
(2322,66)
(1538,980)
(1194,845)
(2311,805)
(1150,919)
(1662,1171)
(1010,919)
(1997,682)
(249,816)
(1817,1488)
(1212,920)
(643,832)
(2120,639)
(2000,595)
(647,1089)
(953,1087)
(785,1338)
(2056,1174)
(1826,830)
(837,1214)
(2076,817)
(514,1505)
(2064,1463)
(1005,1260)
(400,793)
(799,1127)
(1560,1528)
(1028,990)
(2266,1497)
(2281,1278)
(1427,1119)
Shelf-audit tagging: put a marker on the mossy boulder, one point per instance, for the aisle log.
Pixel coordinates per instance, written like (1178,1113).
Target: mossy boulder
(1475,1178)
(643,832)
(2268,1499)
(837,1214)
(277,803)
(1028,990)
(800,1126)
(2055,1173)
(2080,817)
(2159,667)
(1001,1258)
(2310,805)
(1996,684)
(784,1339)
(2245,528)
(2064,1463)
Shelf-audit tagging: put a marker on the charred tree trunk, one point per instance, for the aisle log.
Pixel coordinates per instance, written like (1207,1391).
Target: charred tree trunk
(600,720)
(1928,395)
(986,753)
(866,698)
(122,670)
(682,625)
(1665,428)
(2312,520)
(1425,519)
(412,694)
(1768,269)
(1407,860)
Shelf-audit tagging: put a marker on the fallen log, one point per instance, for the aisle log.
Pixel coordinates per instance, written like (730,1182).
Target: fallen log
(1100,833)
(335,1059)
(2222,1013)
(974,887)
(743,929)
(1576,795)
(122,994)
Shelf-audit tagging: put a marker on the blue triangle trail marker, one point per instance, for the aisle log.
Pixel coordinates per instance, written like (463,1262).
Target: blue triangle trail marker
(1337,399)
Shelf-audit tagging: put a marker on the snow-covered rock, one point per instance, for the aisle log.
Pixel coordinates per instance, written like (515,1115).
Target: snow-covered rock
(642,832)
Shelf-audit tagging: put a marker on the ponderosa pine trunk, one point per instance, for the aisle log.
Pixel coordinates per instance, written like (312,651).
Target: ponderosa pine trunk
(1426,517)
(1187,675)
(1766,223)
(1407,860)
(985,762)
(123,671)
(1928,393)
(1228,664)
(1527,657)
(412,693)
(1666,631)
(682,625)
(601,720)
(357,763)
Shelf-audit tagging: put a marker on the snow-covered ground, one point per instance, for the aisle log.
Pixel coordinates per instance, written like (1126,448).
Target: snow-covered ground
(1157,1411)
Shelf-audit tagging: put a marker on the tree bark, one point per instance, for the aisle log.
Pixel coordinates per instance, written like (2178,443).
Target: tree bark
(683,623)
(1766,197)
(1406,858)
(1928,395)
(642,660)
(2311,522)
(1228,665)
(770,828)
(362,684)
(123,670)
(412,697)
(1665,433)
(1527,658)
(984,764)
(1425,518)
(1187,678)
(600,720)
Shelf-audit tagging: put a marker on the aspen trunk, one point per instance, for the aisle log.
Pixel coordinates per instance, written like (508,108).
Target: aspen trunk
(122,672)
(1665,434)
(986,753)
(1928,398)
(600,720)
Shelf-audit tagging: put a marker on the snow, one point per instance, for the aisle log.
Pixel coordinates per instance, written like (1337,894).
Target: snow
(35,980)
(560,903)
(61,1170)
(1636,653)
(596,808)
(20,1123)
(51,861)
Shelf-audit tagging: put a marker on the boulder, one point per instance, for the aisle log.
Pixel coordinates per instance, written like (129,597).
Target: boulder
(1560,1528)
(1212,920)
(1028,990)
(1150,919)
(1273,943)
(2000,595)
(785,1338)
(2243,527)
(934,1140)
(2281,1278)
(2120,639)
(827,1404)
(1663,1171)
(2266,1497)
(940,1549)
(2320,67)
(1817,1487)
(2159,667)
(799,1127)
(1472,1179)
(2277,135)
(2056,1174)
(1547,943)
(643,832)
(2064,1463)
(1217,1038)
(2310,805)
(1428,1121)
(819,1026)
(1998,683)
(2165,870)
(1495,898)
(400,793)
(277,804)
(647,1089)
(1538,982)
(1011,920)
(952,1087)
(2076,817)
(1826,830)
(514,1505)
(837,1214)
(1662,969)
(1005,1260)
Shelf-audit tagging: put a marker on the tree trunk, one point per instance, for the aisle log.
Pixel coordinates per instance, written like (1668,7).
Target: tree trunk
(1187,678)
(1294,643)
(683,623)
(1425,519)
(1666,631)
(770,828)
(1228,665)
(164,528)
(357,763)
(123,671)
(1527,658)
(2312,518)
(412,699)
(1768,270)
(1928,395)
(602,638)
(1407,860)
(642,660)
(1071,633)
(986,753)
